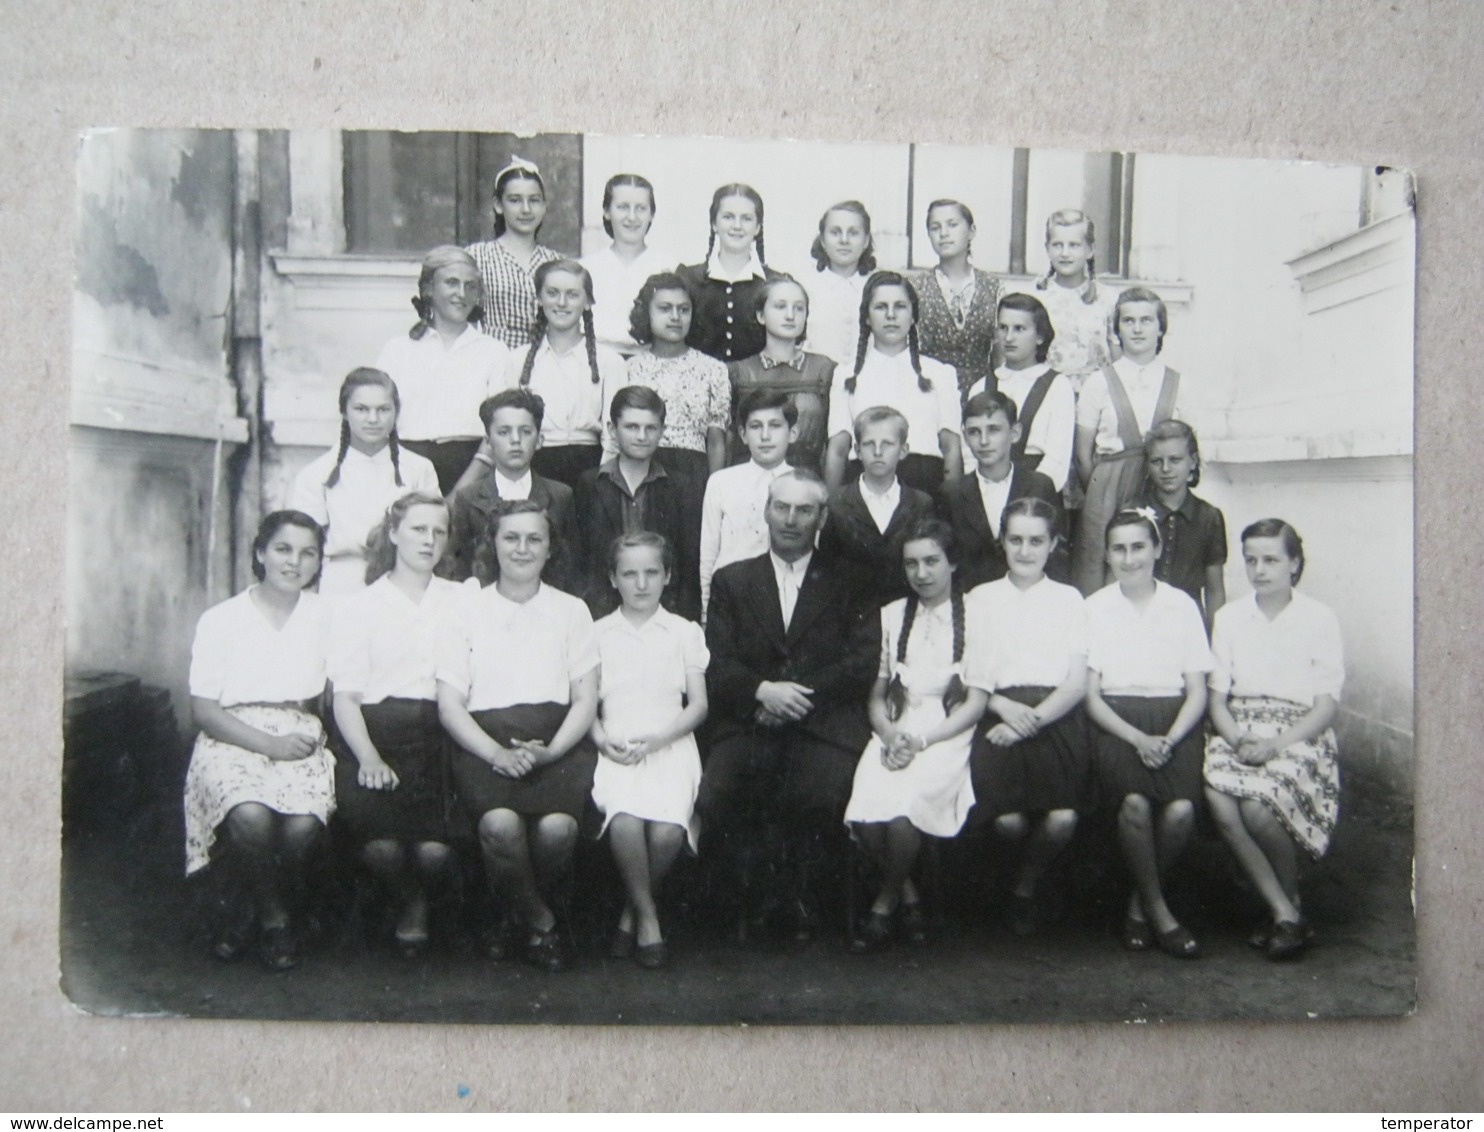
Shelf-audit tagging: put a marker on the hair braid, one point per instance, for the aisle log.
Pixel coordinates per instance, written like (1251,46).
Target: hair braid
(762,257)
(923,383)
(956,693)
(1044,280)
(896,693)
(711,244)
(860,360)
(538,332)
(1090,288)
(334,477)
(590,339)
(394,445)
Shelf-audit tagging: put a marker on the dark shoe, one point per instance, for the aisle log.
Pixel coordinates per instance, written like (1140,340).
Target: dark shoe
(1261,937)
(1022,914)
(914,925)
(875,933)
(652,956)
(621,946)
(278,949)
(1136,935)
(545,951)
(1179,943)
(1289,940)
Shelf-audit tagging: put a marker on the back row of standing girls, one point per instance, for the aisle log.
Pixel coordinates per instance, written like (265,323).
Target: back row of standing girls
(923,342)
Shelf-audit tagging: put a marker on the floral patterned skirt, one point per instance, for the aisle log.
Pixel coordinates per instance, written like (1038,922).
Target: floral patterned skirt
(1301,786)
(222,776)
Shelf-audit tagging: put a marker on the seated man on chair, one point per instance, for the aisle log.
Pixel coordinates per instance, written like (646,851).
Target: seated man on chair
(795,645)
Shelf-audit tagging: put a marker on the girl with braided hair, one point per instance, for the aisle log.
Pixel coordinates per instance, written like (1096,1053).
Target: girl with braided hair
(725,285)
(959,300)
(444,367)
(913,777)
(566,367)
(348,488)
(889,369)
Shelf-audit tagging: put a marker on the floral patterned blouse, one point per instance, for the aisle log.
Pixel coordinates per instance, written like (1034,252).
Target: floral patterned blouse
(969,348)
(696,391)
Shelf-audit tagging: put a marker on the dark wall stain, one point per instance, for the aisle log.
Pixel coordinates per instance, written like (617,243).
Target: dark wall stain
(114,272)
(205,169)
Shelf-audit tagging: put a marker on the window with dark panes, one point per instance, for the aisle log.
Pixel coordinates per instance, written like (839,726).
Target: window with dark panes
(407,192)
(1107,197)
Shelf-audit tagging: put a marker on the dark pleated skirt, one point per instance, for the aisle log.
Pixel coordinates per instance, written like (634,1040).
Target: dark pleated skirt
(1119,770)
(413,743)
(1049,771)
(561,787)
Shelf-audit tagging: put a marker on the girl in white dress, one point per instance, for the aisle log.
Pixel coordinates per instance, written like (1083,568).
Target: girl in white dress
(913,777)
(347,489)
(1271,772)
(652,690)
(391,763)
(260,777)
(1031,768)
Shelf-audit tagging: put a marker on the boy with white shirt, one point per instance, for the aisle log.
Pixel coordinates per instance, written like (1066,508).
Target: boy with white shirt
(733,526)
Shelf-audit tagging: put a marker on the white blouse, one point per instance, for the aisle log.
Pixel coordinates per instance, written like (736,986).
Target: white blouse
(576,406)
(1297,656)
(889,380)
(442,386)
(644,668)
(1024,638)
(834,314)
(1095,405)
(615,286)
(382,643)
(358,501)
(238,657)
(1145,652)
(499,652)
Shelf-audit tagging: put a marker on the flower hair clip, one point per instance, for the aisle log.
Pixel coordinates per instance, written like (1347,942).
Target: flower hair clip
(518,162)
(1145,513)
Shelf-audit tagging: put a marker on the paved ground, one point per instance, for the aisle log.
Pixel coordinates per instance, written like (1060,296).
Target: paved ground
(133,944)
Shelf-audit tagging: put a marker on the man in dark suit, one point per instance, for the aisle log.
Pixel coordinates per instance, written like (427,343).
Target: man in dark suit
(512,422)
(991,432)
(794,647)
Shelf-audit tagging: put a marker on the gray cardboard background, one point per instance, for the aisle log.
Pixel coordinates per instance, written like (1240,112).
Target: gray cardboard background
(1356,81)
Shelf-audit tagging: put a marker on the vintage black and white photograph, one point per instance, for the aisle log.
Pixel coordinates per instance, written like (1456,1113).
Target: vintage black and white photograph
(594,578)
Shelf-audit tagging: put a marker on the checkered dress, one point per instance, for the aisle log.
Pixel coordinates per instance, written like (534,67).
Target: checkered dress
(509,290)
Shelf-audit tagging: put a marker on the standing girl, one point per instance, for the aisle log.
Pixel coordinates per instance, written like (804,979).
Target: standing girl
(391,771)
(260,778)
(347,489)
(571,373)
(443,367)
(913,777)
(507,264)
(1032,770)
(1271,773)
(1080,310)
(619,270)
(1146,691)
(844,257)
(958,300)
(890,370)
(1192,531)
(694,386)
(723,288)
(518,691)
(652,687)
(1119,404)
(783,309)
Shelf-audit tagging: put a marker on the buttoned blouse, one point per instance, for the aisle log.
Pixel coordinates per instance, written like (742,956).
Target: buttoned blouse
(238,657)
(889,380)
(1145,652)
(358,501)
(616,285)
(1024,638)
(834,313)
(382,643)
(1296,656)
(499,652)
(1055,423)
(696,391)
(509,290)
(1095,406)
(441,386)
(576,406)
(723,324)
(649,661)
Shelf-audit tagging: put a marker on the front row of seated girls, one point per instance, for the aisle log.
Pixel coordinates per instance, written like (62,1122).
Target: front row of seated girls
(1017,698)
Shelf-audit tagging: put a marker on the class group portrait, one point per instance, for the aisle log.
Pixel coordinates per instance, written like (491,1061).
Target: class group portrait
(503,562)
